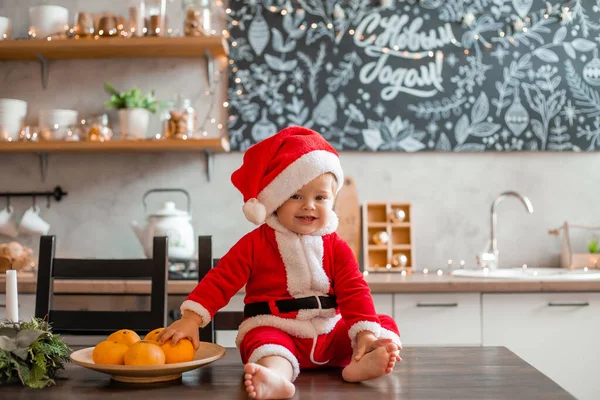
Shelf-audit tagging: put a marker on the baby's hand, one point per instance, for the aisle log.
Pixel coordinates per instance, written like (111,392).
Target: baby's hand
(183,328)
(366,342)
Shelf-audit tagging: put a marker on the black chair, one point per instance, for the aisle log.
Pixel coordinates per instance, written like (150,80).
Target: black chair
(222,320)
(101,322)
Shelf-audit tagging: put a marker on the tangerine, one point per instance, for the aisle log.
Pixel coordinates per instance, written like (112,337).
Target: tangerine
(125,336)
(144,353)
(153,335)
(183,351)
(109,352)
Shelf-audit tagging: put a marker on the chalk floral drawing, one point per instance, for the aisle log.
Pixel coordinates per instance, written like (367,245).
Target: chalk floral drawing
(417,76)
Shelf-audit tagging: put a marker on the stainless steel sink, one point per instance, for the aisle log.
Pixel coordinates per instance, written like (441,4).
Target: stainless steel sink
(539,274)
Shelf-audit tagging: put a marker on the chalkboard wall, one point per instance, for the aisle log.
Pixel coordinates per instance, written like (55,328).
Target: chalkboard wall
(434,75)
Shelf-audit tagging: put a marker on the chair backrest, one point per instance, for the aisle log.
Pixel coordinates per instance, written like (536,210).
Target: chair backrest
(222,320)
(102,322)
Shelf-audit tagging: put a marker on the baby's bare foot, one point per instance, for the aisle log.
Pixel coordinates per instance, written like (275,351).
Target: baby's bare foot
(372,365)
(262,383)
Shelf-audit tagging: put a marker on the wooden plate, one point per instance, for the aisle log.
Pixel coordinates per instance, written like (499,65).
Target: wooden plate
(206,354)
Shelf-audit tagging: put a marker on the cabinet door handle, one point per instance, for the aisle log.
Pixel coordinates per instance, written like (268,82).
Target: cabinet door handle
(437,304)
(2,305)
(580,304)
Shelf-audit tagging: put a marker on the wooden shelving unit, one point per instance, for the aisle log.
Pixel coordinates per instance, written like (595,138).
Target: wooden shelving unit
(382,256)
(216,145)
(144,47)
(209,146)
(44,51)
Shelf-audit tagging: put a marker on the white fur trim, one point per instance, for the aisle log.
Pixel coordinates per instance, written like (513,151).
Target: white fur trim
(254,211)
(330,226)
(302,257)
(294,327)
(298,174)
(387,334)
(198,309)
(364,326)
(267,350)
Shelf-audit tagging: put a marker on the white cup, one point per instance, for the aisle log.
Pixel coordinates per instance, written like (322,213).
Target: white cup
(48,20)
(7,225)
(51,118)
(5,28)
(32,223)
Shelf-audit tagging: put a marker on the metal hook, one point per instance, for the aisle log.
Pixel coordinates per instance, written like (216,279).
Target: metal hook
(8,202)
(34,201)
(48,200)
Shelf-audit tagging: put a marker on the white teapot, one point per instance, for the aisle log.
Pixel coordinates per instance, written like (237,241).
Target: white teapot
(171,222)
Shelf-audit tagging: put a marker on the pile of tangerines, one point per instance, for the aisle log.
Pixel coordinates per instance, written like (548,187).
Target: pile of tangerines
(125,347)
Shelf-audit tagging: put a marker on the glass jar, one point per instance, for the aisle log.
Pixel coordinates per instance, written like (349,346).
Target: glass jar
(180,121)
(136,23)
(83,26)
(156,11)
(198,18)
(99,129)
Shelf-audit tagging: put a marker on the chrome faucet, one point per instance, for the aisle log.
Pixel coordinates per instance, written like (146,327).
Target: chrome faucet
(489,258)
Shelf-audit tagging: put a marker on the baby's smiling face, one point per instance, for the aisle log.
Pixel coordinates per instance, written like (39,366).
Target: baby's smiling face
(307,210)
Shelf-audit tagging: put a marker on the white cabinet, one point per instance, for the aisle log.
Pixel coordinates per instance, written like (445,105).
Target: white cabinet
(445,319)
(557,333)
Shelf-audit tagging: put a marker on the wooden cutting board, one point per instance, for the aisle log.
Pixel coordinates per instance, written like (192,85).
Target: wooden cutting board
(347,209)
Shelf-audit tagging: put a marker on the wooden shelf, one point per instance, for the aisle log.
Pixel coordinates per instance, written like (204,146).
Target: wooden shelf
(117,146)
(154,47)
(386,224)
(42,149)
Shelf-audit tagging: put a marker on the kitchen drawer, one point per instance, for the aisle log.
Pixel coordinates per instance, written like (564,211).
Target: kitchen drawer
(557,333)
(448,319)
(384,303)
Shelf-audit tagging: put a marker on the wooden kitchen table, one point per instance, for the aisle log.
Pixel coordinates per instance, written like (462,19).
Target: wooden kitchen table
(425,373)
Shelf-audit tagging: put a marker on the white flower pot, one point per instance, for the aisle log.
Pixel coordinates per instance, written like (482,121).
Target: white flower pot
(133,123)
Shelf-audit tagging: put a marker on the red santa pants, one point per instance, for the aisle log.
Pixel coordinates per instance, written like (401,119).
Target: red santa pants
(333,349)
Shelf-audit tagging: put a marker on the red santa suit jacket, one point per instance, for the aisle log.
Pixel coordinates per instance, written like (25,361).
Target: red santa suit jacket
(274,264)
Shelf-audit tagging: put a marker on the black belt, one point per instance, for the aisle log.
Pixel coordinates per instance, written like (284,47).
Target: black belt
(288,305)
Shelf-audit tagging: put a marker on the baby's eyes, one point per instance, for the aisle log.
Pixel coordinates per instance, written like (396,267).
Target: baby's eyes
(295,197)
(320,198)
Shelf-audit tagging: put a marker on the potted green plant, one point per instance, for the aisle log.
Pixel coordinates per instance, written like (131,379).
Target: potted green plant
(30,353)
(134,108)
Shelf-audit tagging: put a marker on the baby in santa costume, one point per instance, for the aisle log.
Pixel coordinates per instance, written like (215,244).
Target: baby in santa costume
(307,304)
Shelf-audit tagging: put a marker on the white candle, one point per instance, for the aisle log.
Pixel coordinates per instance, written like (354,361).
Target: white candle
(12,300)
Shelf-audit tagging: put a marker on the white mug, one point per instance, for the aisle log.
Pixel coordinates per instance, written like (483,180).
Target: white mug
(32,223)
(5,28)
(47,20)
(7,225)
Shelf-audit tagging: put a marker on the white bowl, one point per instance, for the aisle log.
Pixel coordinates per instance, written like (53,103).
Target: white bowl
(50,118)
(48,20)
(5,28)
(10,132)
(11,106)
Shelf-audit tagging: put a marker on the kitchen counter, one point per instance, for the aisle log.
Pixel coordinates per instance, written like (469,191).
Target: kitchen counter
(378,282)
(425,373)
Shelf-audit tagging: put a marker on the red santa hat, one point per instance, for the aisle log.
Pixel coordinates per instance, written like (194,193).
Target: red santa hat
(277,167)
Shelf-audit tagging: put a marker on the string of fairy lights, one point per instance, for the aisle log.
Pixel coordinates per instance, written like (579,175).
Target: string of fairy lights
(517,25)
